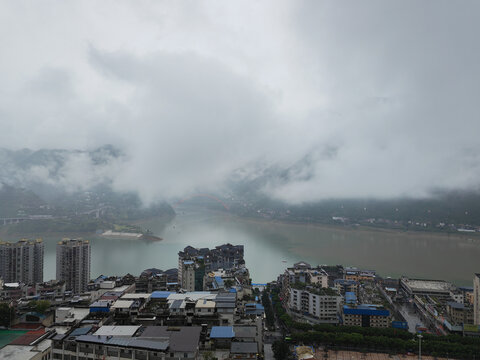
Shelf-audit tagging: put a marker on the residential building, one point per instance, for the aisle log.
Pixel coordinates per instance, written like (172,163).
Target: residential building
(302,273)
(22,261)
(73,264)
(459,314)
(352,273)
(194,264)
(343,286)
(366,316)
(476,299)
(313,304)
(130,342)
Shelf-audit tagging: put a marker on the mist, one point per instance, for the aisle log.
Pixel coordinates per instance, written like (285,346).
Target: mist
(303,100)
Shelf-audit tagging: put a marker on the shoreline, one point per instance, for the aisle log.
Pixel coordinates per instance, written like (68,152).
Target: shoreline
(363,229)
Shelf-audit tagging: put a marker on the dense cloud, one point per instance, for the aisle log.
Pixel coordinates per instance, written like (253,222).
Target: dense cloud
(320,99)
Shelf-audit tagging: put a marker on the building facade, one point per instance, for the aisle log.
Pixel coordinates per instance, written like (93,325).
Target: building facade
(315,305)
(22,261)
(73,264)
(366,316)
(476,299)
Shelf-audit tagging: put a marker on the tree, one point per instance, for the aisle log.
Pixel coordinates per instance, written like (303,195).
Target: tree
(7,314)
(40,306)
(281,350)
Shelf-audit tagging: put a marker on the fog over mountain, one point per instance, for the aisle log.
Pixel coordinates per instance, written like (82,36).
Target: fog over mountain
(301,101)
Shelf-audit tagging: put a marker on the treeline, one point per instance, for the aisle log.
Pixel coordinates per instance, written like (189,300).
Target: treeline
(388,340)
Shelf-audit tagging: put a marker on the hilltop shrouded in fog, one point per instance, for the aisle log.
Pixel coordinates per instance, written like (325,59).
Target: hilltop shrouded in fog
(299,102)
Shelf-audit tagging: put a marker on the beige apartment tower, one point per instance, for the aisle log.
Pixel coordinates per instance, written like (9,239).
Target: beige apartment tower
(73,264)
(22,261)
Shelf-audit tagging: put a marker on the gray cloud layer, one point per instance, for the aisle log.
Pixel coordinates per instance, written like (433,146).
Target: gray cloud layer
(351,99)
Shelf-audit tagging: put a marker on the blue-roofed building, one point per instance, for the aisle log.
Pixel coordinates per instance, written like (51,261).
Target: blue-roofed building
(343,286)
(254,309)
(100,307)
(222,332)
(350,298)
(160,295)
(219,281)
(366,315)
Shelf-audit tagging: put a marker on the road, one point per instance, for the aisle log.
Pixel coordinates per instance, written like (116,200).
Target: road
(410,316)
(267,348)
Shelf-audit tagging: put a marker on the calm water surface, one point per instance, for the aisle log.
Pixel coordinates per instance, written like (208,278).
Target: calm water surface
(268,244)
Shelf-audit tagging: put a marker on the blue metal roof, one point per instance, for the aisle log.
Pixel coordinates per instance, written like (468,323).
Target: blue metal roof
(222,332)
(160,294)
(81,331)
(344,282)
(188,262)
(219,280)
(365,310)
(350,297)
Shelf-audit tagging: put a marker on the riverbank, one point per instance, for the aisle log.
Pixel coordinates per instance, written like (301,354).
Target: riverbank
(475,237)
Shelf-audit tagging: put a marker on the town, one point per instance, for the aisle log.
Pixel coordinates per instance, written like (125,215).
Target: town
(209,308)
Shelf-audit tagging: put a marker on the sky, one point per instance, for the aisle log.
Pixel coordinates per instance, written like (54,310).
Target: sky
(353,99)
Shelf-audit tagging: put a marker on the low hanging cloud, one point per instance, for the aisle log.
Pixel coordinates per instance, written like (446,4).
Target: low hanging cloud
(304,101)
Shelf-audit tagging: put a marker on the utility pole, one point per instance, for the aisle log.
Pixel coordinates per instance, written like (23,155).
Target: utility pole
(419,346)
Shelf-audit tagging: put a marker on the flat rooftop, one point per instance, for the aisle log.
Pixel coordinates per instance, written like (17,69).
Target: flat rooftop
(117,330)
(427,285)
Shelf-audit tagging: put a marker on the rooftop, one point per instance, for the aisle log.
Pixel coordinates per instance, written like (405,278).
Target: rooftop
(427,285)
(180,338)
(244,348)
(222,332)
(134,342)
(117,330)
(245,331)
(122,304)
(205,304)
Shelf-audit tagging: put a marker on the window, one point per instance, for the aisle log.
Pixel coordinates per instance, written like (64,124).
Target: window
(185,355)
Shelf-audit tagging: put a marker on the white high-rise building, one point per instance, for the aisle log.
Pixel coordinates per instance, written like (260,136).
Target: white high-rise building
(73,264)
(22,261)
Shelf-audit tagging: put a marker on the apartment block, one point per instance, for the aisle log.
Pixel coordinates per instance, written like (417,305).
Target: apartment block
(22,261)
(366,316)
(476,299)
(73,264)
(317,305)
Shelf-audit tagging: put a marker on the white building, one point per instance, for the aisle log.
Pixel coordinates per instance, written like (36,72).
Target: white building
(315,305)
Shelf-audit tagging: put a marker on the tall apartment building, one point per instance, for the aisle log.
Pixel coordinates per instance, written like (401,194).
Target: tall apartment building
(194,263)
(476,299)
(22,261)
(73,264)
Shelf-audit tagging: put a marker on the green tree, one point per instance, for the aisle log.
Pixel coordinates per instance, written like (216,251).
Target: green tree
(281,350)
(7,314)
(40,306)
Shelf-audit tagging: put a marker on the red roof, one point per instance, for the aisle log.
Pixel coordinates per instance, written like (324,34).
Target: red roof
(28,326)
(28,338)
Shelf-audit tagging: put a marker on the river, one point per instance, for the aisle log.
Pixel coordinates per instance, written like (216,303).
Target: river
(272,246)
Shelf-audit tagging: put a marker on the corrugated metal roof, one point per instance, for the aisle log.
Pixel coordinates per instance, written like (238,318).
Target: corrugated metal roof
(244,348)
(135,342)
(365,310)
(161,294)
(222,332)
